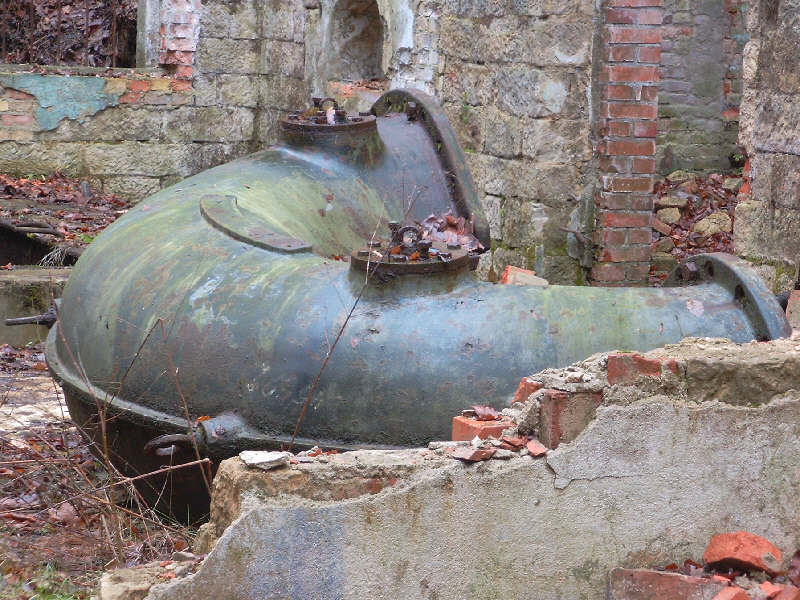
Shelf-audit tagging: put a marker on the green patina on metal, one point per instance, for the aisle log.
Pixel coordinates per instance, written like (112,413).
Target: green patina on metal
(248,324)
(61,97)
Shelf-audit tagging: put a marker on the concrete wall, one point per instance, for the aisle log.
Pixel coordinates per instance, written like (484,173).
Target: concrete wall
(767,227)
(701,83)
(689,441)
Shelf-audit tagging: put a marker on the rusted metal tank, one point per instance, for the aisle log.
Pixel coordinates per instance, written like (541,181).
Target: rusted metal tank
(207,311)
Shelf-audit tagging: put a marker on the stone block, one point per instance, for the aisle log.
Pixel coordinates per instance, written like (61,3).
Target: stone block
(467,121)
(549,44)
(115,124)
(523,222)
(556,141)
(237,90)
(237,20)
(743,551)
(278,20)
(466,428)
(20,159)
(131,188)
(644,584)
(282,58)
(502,134)
(563,416)
(136,158)
(209,124)
(467,83)
(540,93)
(226,56)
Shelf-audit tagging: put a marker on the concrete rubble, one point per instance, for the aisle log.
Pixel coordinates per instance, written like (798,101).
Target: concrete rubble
(645,458)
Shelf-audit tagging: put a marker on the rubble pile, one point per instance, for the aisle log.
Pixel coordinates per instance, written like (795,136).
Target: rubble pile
(63,212)
(736,566)
(694,215)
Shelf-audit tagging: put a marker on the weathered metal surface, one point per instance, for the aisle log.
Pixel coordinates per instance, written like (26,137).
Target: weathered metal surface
(248,324)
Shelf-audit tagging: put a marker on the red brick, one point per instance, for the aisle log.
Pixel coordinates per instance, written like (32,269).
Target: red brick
(180,85)
(644,165)
(744,551)
(613,201)
(632,111)
(465,429)
(470,454)
(633,16)
(770,589)
(638,272)
(645,129)
(650,54)
(616,183)
(621,53)
(517,276)
(620,92)
(789,593)
(633,74)
(536,448)
(184,72)
(624,219)
(629,254)
(611,237)
(617,34)
(16,119)
(130,98)
(732,593)
(563,416)
(631,147)
(730,114)
(607,273)
(625,368)
(139,85)
(615,164)
(643,584)
(17,95)
(640,236)
(635,3)
(526,387)
(793,309)
(649,93)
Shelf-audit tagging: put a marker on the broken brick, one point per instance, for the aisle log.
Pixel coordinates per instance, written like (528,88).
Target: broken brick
(465,429)
(770,589)
(563,416)
(789,592)
(743,551)
(644,584)
(470,454)
(793,309)
(527,386)
(625,368)
(536,448)
(732,593)
(514,442)
(516,276)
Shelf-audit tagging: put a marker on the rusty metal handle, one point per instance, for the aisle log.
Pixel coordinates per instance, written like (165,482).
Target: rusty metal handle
(168,445)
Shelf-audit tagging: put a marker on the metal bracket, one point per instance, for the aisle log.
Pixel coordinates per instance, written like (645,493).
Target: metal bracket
(224,213)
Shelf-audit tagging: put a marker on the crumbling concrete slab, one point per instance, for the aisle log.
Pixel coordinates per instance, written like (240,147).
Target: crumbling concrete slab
(681,448)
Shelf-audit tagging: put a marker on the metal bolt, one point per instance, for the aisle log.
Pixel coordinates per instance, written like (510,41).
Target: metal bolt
(373,243)
(341,116)
(317,102)
(363,252)
(453,246)
(412,111)
(424,247)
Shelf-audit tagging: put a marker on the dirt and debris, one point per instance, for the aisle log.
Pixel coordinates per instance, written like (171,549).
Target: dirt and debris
(60,211)
(63,516)
(450,229)
(694,215)
(738,560)
(90,32)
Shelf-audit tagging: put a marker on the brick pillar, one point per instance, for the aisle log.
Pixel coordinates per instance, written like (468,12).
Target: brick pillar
(627,123)
(180,30)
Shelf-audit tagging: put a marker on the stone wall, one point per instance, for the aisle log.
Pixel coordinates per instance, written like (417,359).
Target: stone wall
(768,214)
(701,83)
(515,79)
